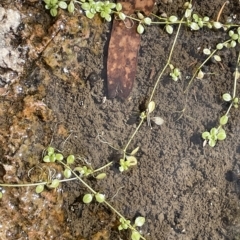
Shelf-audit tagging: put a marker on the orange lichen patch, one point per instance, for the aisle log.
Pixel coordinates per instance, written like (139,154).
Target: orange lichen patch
(123,51)
(43,172)
(10,174)
(101,235)
(3,91)
(27,215)
(62,130)
(35,108)
(145,6)
(36,48)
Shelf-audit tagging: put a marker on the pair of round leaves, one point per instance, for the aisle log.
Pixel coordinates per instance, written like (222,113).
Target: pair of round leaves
(87,198)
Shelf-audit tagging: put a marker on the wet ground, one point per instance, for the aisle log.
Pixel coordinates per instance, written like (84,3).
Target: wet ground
(53,91)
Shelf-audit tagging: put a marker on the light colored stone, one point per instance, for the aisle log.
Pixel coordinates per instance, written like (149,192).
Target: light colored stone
(10,60)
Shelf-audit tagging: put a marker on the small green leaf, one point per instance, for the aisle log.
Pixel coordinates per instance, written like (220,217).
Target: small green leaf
(147,20)
(227,45)
(217,58)
(209,25)
(227,97)
(235,100)
(121,169)
(53,158)
(1,195)
(111,5)
(200,74)
(139,221)
(140,15)
(118,7)
(135,235)
(108,18)
(50,150)
(224,120)
(157,120)
(169,29)
(213,132)
(234,36)
(71,7)
(79,169)
(205,135)
(219,46)
(206,19)
(101,176)
(131,160)
(87,198)
(89,14)
(151,106)
(233,43)
(177,72)
(194,26)
(54,2)
(59,157)
(86,6)
(46,159)
(100,197)
(173,19)
(134,151)
(67,173)
(221,135)
(188,13)
(62,5)
(70,159)
(140,28)
(123,165)
(124,224)
(206,51)
(39,188)
(47,1)
(217,25)
(120,227)
(212,143)
(230,33)
(195,17)
(122,16)
(53,12)
(171,66)
(54,184)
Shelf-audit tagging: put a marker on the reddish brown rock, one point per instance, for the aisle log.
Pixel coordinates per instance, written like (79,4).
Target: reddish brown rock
(123,50)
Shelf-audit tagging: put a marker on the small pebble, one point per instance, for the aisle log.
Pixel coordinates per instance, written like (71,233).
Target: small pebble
(92,78)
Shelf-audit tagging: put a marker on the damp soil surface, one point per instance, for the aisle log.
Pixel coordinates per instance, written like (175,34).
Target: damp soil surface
(53,92)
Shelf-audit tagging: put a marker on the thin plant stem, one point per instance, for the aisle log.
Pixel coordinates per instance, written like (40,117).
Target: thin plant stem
(236,77)
(234,87)
(80,179)
(105,202)
(101,168)
(33,184)
(131,138)
(154,88)
(203,63)
(168,62)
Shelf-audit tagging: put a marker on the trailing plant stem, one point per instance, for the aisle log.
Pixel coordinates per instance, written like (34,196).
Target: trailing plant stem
(33,184)
(101,168)
(236,77)
(234,87)
(131,138)
(167,64)
(196,72)
(94,192)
